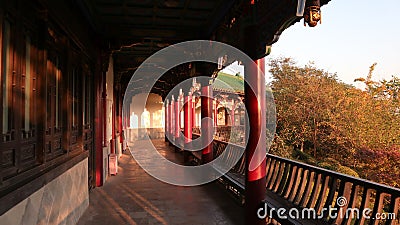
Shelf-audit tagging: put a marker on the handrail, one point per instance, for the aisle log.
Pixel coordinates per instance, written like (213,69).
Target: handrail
(307,186)
(346,177)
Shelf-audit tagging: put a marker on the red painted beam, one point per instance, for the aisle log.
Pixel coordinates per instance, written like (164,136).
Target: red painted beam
(207,123)
(256,146)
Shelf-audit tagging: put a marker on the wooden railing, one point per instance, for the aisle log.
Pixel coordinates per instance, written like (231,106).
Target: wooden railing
(296,185)
(232,134)
(305,186)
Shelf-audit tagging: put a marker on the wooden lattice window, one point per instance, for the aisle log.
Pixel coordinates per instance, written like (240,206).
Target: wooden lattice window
(29,90)
(53,108)
(87,100)
(7,82)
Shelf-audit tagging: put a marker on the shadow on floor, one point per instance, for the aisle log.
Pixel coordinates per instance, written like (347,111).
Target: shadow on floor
(134,197)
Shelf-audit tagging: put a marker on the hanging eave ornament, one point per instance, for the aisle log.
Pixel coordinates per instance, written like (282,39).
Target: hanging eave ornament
(311,11)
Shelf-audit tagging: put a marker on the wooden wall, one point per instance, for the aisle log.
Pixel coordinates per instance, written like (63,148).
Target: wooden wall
(48,63)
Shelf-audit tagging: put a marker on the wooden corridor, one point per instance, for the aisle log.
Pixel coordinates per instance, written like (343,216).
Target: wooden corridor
(134,197)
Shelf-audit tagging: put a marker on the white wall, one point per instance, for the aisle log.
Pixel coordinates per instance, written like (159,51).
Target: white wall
(62,201)
(110,98)
(153,108)
(109,115)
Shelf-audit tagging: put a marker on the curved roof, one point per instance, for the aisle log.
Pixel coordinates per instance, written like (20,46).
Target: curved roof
(229,83)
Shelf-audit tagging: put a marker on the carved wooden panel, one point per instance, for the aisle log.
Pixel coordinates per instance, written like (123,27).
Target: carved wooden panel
(54,146)
(57,145)
(28,153)
(8,158)
(9,162)
(74,138)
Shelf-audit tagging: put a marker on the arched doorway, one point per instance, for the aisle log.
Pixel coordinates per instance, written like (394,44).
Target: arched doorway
(147,122)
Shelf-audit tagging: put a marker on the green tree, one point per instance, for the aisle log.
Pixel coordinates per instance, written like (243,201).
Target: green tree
(320,116)
(305,101)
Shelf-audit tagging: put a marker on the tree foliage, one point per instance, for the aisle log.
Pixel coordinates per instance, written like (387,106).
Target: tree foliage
(325,118)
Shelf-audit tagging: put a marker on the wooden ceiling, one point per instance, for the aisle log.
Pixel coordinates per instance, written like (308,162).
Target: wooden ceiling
(154,20)
(139,28)
(136,29)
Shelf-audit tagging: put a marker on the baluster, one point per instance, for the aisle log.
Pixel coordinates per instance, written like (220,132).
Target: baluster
(378,206)
(296,184)
(242,166)
(344,191)
(352,204)
(310,179)
(222,148)
(238,158)
(279,176)
(393,208)
(302,186)
(235,158)
(215,149)
(231,156)
(284,179)
(267,165)
(322,193)
(289,184)
(317,184)
(364,204)
(273,174)
(269,170)
(332,189)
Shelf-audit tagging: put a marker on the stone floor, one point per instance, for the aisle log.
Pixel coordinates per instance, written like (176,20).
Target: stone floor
(134,197)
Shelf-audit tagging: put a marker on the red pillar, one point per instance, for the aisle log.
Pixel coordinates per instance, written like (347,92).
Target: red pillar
(256,147)
(99,127)
(233,114)
(172,117)
(177,118)
(126,116)
(166,120)
(215,114)
(104,114)
(193,112)
(207,123)
(124,122)
(113,118)
(121,130)
(188,124)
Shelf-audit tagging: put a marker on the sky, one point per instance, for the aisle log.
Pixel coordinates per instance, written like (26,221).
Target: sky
(353,35)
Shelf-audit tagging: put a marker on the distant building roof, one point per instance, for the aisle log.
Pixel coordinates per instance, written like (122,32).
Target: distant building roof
(229,83)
